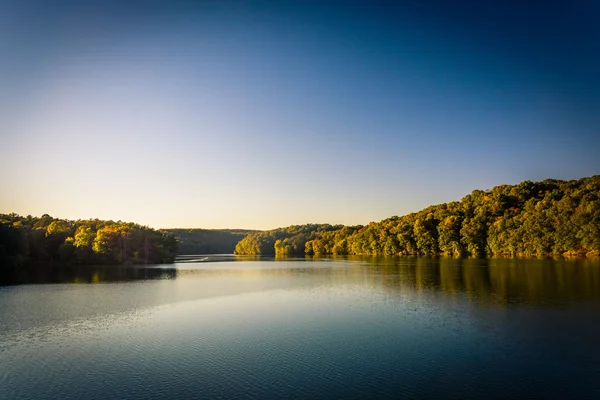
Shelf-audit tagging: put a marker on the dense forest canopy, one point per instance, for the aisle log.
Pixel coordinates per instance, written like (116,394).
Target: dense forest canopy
(26,240)
(284,241)
(531,218)
(207,241)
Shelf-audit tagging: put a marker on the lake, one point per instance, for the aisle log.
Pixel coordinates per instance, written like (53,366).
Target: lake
(348,327)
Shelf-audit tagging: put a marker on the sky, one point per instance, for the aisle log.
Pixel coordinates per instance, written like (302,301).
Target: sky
(263,114)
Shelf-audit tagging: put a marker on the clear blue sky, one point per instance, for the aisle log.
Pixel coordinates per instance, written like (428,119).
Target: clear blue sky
(262,114)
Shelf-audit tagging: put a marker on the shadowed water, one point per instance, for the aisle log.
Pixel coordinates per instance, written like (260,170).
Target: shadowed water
(305,328)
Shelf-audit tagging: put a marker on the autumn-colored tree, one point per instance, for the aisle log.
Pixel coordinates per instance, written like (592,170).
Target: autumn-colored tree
(531,218)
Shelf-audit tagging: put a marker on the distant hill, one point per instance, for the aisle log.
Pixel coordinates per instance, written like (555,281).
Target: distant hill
(208,241)
(551,217)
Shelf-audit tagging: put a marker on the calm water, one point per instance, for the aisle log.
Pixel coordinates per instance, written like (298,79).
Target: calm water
(327,328)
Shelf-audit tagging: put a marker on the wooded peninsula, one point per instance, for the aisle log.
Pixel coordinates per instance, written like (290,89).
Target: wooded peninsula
(47,240)
(551,217)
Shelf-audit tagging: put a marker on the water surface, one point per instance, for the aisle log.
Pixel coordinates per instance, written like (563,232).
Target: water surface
(309,328)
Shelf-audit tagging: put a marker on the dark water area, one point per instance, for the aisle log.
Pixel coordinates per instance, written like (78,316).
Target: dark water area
(350,327)
(39,274)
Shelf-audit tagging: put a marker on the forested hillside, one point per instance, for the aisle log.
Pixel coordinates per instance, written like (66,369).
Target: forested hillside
(26,240)
(285,241)
(207,241)
(531,218)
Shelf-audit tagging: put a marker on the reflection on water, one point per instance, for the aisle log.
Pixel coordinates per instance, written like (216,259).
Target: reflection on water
(85,274)
(500,281)
(336,327)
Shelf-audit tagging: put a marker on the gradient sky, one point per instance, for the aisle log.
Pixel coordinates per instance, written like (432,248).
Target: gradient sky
(261,114)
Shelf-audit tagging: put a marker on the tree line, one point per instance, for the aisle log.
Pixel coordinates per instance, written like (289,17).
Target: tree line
(47,240)
(531,218)
(207,241)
